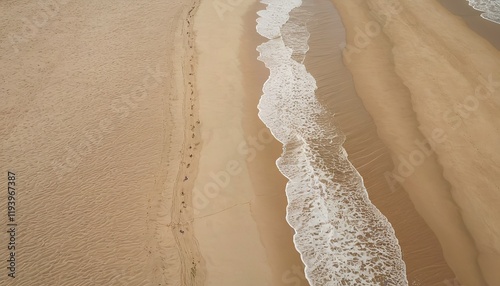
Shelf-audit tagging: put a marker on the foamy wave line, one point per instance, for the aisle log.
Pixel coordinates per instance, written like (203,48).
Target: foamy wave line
(491,9)
(274,17)
(341,237)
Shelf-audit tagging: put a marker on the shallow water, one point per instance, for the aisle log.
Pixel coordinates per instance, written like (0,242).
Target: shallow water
(490,9)
(342,237)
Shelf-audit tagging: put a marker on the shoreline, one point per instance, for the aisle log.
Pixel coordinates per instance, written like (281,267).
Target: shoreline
(367,153)
(452,196)
(269,209)
(485,28)
(140,157)
(227,233)
(241,229)
(324,261)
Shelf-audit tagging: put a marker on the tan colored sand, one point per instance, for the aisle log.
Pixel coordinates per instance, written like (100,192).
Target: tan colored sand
(269,206)
(104,170)
(487,29)
(425,264)
(239,194)
(92,124)
(412,77)
(228,236)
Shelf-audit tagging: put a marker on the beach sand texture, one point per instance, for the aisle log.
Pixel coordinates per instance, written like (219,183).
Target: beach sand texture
(132,129)
(426,77)
(421,250)
(93,126)
(239,198)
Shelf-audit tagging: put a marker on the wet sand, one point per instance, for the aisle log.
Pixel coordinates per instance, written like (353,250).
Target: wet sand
(269,206)
(421,250)
(414,72)
(239,198)
(485,28)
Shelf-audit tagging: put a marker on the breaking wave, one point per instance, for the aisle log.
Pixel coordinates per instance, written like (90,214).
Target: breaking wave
(342,237)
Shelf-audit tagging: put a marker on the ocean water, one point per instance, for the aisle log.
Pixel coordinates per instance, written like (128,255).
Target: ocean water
(341,236)
(490,9)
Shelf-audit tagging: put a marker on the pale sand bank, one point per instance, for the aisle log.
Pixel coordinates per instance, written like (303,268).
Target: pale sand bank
(227,234)
(92,124)
(239,198)
(411,79)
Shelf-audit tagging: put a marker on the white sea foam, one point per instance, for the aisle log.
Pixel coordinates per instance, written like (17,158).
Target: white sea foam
(342,238)
(491,9)
(274,17)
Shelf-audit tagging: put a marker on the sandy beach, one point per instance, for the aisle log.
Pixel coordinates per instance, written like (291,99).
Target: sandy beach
(131,136)
(103,134)
(92,127)
(239,194)
(449,188)
(422,252)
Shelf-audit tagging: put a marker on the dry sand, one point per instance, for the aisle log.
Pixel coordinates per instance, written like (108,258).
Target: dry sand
(419,73)
(93,118)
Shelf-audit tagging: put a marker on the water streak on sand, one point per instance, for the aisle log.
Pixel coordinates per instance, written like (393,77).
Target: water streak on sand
(342,237)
